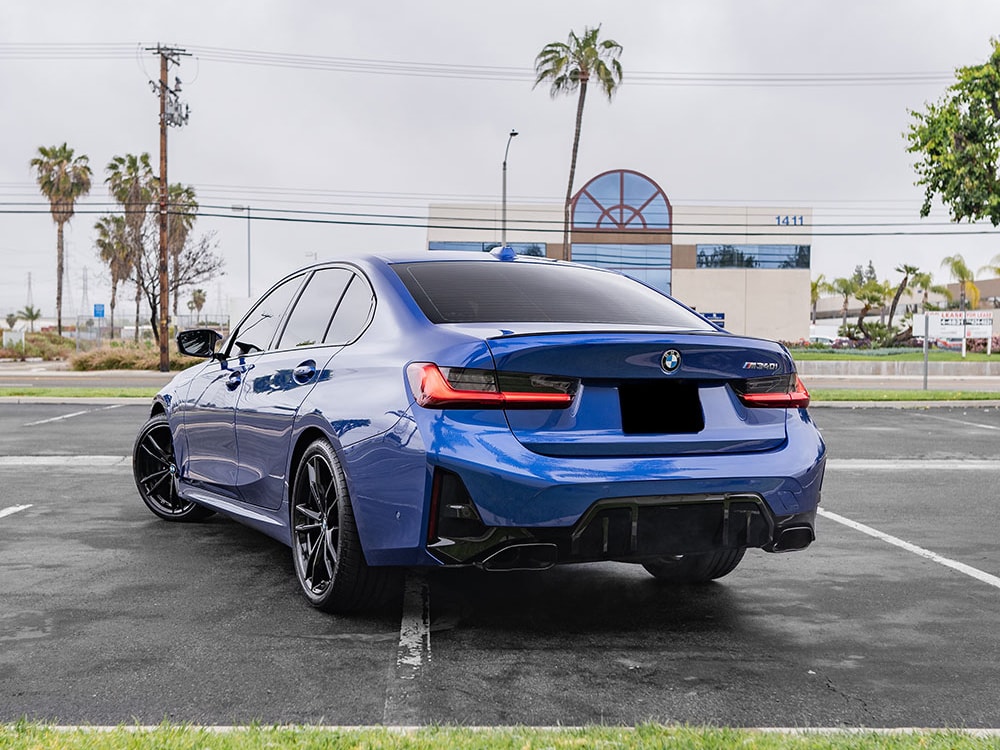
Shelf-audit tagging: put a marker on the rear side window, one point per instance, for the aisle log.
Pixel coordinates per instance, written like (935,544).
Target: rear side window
(520,292)
(353,313)
(310,318)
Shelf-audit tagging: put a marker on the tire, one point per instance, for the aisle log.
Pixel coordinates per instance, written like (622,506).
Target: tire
(155,473)
(326,549)
(700,568)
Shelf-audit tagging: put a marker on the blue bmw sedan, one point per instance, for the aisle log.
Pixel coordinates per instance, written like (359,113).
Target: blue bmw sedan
(491,410)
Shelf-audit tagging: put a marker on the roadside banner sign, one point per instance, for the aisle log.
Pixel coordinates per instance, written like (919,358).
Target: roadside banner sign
(98,311)
(948,324)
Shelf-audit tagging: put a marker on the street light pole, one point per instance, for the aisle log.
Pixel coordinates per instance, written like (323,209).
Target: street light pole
(503,224)
(240,209)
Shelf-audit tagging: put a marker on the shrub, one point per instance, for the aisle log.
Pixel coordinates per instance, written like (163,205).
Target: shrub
(122,356)
(43,345)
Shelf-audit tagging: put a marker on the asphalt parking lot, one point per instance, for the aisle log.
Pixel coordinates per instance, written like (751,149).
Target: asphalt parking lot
(108,615)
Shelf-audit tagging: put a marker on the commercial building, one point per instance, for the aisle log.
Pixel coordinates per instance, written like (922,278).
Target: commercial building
(746,266)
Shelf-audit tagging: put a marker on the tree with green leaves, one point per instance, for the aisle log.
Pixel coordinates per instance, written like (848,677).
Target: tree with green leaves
(923,282)
(845,287)
(871,294)
(968,292)
(133,185)
(182,211)
(112,245)
(30,314)
(569,67)
(198,298)
(817,288)
(63,178)
(958,142)
(905,284)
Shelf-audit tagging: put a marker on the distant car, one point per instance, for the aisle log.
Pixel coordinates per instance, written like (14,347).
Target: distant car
(509,413)
(952,344)
(821,340)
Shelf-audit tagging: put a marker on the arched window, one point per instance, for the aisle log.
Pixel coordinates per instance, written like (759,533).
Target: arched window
(621,200)
(613,206)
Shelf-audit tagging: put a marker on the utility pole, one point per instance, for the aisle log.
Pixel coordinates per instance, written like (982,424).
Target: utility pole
(172,112)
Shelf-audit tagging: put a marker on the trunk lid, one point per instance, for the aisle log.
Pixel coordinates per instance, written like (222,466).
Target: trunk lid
(644,393)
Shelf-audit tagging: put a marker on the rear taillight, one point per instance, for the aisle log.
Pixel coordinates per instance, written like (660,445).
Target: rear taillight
(465,388)
(774,391)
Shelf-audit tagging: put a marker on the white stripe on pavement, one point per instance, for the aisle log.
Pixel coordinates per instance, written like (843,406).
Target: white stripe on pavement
(912,464)
(69,416)
(12,510)
(968,570)
(412,653)
(72,462)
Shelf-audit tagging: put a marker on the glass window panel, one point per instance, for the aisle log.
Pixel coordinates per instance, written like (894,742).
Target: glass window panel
(621,200)
(647,263)
(310,318)
(353,313)
(257,329)
(587,213)
(753,256)
(476,292)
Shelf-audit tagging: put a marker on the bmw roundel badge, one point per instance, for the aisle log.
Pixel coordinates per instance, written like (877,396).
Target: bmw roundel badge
(670,361)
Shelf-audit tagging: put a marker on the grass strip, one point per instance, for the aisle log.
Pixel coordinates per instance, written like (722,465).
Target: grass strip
(857,394)
(25,736)
(895,355)
(80,392)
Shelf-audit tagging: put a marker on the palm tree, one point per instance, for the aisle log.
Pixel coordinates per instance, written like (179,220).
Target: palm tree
(62,178)
(30,314)
(873,293)
(960,272)
(845,286)
(112,245)
(132,183)
(817,287)
(568,67)
(181,214)
(904,285)
(924,283)
(198,298)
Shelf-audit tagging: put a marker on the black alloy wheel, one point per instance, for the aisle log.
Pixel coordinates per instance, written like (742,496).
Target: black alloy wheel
(155,472)
(329,561)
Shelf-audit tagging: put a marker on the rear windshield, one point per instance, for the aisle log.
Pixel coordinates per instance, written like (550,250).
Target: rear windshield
(520,292)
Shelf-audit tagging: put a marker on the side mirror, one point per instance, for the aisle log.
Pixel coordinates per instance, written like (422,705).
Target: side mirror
(198,342)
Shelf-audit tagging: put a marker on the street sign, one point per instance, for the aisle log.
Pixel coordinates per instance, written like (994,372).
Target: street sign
(98,311)
(719,318)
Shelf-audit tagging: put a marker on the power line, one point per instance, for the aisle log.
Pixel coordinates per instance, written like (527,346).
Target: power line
(489,222)
(781,79)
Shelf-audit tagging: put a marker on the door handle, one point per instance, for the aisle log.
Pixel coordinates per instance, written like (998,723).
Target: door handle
(234,380)
(304,372)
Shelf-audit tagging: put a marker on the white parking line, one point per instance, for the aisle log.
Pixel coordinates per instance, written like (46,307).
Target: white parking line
(968,570)
(912,464)
(66,462)
(70,416)
(412,653)
(962,422)
(12,510)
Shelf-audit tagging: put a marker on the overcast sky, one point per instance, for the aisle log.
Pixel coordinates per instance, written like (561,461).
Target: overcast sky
(383,107)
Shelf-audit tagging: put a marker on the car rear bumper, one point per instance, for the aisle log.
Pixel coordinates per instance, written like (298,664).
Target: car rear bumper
(535,510)
(635,530)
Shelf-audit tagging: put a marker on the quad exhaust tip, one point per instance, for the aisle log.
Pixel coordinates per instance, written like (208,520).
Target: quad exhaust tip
(793,538)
